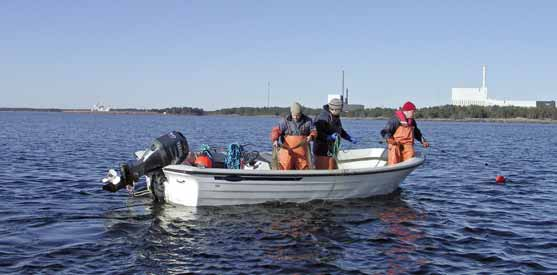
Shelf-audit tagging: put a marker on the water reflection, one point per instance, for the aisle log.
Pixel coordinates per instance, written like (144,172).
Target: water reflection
(401,228)
(275,232)
(301,233)
(319,236)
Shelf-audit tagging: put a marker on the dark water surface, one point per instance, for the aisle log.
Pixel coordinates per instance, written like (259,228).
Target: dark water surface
(449,216)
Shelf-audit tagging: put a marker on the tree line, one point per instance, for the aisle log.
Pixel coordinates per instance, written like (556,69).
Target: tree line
(449,112)
(487,112)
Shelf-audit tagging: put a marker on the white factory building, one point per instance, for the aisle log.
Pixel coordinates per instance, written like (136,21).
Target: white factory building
(100,108)
(478,96)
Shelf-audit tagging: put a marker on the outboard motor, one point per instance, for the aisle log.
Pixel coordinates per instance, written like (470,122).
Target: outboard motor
(168,149)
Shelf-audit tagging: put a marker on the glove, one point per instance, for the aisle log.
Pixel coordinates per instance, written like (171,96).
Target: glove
(353,140)
(332,137)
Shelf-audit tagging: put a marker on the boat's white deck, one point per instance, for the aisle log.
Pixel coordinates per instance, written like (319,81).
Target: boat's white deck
(358,161)
(346,159)
(362,158)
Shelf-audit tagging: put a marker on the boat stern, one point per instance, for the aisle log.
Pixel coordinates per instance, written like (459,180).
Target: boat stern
(181,189)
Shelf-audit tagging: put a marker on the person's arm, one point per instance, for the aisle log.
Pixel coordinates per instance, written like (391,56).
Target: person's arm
(283,125)
(418,135)
(278,131)
(322,125)
(312,131)
(348,137)
(390,128)
(345,135)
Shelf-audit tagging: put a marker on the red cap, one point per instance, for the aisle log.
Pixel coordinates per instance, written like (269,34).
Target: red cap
(408,106)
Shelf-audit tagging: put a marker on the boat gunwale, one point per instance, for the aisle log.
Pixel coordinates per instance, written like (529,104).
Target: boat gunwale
(191,170)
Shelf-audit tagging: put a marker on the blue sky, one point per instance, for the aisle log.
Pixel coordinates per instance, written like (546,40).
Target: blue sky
(216,54)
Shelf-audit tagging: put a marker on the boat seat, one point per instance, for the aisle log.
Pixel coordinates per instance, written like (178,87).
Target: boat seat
(265,156)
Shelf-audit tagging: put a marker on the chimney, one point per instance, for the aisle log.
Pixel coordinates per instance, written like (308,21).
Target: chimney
(342,89)
(484,69)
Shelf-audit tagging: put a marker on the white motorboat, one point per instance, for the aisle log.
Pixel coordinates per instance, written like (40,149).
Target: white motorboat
(361,173)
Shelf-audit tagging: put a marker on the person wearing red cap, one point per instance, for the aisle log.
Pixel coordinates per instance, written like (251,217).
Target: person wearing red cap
(400,132)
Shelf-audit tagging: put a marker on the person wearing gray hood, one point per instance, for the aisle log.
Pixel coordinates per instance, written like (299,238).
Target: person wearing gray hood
(329,129)
(294,132)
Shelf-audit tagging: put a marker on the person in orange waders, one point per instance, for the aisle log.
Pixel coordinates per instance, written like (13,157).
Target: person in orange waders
(329,129)
(400,132)
(295,132)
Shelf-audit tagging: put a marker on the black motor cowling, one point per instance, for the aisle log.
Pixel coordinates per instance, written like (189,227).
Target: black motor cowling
(168,149)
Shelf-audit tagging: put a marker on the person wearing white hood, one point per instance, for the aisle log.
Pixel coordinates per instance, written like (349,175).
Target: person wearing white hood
(329,129)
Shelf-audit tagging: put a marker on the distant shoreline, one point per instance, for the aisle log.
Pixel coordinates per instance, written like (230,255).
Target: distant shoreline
(493,120)
(77,111)
(84,111)
(111,112)
(486,120)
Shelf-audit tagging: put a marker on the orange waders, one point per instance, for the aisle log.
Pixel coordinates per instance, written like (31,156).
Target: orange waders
(295,158)
(401,145)
(324,162)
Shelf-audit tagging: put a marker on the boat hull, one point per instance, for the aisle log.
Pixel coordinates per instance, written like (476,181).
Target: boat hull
(192,186)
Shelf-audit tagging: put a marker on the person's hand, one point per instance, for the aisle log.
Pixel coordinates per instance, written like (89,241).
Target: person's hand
(275,143)
(391,141)
(353,140)
(332,137)
(425,144)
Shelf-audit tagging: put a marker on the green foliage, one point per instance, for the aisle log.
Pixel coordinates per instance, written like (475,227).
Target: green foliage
(181,111)
(30,110)
(261,111)
(486,112)
(449,112)
(312,112)
(371,113)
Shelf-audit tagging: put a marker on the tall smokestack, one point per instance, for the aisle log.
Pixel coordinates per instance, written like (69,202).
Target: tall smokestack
(342,89)
(268,94)
(346,99)
(484,84)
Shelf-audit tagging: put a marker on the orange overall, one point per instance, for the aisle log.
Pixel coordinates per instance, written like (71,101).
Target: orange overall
(295,158)
(324,162)
(293,153)
(401,144)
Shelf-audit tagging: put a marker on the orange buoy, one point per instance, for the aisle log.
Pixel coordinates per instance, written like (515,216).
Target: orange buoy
(204,161)
(500,179)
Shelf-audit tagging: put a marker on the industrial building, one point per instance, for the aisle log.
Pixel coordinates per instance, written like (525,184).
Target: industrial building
(344,98)
(100,108)
(545,104)
(478,96)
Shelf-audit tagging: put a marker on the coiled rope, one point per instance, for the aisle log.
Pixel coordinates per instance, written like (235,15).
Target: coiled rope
(336,148)
(206,149)
(234,156)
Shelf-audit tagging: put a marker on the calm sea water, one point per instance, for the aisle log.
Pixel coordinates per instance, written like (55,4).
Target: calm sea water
(449,217)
